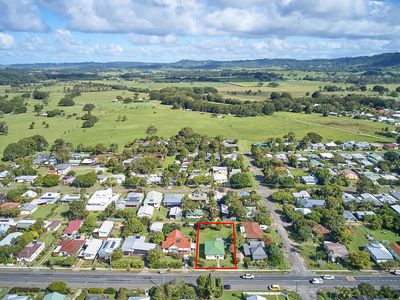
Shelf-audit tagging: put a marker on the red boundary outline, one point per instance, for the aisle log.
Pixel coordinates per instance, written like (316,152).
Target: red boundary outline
(198,242)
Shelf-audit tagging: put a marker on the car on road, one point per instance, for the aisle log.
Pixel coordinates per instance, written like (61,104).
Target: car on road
(247,276)
(317,280)
(274,287)
(227,287)
(328,277)
(396,272)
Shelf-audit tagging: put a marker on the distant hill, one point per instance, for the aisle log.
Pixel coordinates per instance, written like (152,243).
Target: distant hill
(384,60)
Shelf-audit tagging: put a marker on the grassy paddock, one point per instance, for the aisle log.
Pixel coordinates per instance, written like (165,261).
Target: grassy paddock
(169,122)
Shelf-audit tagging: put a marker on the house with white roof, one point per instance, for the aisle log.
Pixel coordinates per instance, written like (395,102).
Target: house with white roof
(378,252)
(137,246)
(101,199)
(105,229)
(9,238)
(91,248)
(49,198)
(153,198)
(108,247)
(145,211)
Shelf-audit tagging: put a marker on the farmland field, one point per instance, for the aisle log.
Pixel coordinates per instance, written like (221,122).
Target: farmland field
(169,122)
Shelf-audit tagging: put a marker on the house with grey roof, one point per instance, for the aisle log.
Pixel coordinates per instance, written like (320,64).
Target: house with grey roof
(173,199)
(134,199)
(378,252)
(310,203)
(255,250)
(137,246)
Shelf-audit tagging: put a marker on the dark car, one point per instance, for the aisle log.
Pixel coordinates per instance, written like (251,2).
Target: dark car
(227,287)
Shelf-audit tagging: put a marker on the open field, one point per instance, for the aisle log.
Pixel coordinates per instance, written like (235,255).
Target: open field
(168,121)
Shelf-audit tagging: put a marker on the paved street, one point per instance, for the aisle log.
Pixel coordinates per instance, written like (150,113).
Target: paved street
(42,278)
(297,263)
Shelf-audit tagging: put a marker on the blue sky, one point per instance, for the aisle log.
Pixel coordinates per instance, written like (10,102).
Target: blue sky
(170,30)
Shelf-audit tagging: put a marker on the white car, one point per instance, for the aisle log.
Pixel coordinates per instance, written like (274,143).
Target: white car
(317,281)
(248,276)
(328,277)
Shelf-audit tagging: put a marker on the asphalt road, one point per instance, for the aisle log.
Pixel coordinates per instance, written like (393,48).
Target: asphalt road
(81,279)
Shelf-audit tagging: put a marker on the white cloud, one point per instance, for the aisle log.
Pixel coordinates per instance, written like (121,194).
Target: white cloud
(61,34)
(6,41)
(20,15)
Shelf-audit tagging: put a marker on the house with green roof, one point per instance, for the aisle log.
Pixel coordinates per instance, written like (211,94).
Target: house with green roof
(194,214)
(214,249)
(55,296)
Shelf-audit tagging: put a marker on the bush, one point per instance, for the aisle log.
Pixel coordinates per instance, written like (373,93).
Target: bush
(95,290)
(59,287)
(110,291)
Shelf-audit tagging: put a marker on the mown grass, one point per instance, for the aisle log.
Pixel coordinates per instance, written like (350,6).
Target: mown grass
(169,122)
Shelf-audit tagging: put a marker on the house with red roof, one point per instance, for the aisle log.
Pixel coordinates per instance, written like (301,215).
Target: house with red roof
(73,227)
(252,231)
(6,205)
(394,249)
(176,242)
(322,230)
(69,247)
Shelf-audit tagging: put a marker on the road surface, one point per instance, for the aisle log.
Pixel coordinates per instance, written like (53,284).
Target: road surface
(82,279)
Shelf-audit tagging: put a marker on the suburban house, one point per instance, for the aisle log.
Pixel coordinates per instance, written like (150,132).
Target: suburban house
(68,198)
(154,199)
(378,252)
(25,223)
(256,250)
(214,250)
(194,214)
(335,251)
(251,231)
(108,247)
(29,194)
(90,249)
(171,200)
(394,249)
(349,174)
(9,238)
(311,203)
(309,180)
(69,247)
(134,199)
(349,216)
(101,199)
(137,246)
(56,296)
(72,228)
(175,213)
(321,230)
(63,169)
(145,211)
(104,230)
(30,252)
(53,225)
(176,242)
(48,198)
(156,227)
(27,209)
(25,179)
(220,174)
(197,195)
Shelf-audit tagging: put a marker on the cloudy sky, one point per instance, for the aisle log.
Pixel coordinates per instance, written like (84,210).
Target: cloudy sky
(170,30)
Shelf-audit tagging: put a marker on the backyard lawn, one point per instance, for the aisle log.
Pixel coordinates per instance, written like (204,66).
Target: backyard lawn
(42,212)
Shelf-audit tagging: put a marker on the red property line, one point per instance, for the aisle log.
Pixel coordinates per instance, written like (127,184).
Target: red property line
(198,245)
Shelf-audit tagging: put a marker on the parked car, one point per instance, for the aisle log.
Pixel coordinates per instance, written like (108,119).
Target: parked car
(274,287)
(248,276)
(316,281)
(328,277)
